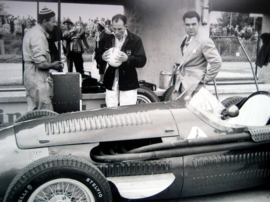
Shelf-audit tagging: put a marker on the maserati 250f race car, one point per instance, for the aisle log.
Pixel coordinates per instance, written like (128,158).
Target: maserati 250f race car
(187,147)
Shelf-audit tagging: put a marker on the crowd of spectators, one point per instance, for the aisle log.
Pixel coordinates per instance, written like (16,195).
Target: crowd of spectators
(14,25)
(90,29)
(247,33)
(18,26)
(91,26)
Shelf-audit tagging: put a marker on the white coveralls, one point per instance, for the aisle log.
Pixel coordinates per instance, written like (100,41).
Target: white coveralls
(38,84)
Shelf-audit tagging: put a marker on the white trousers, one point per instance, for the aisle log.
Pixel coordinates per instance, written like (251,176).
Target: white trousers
(114,97)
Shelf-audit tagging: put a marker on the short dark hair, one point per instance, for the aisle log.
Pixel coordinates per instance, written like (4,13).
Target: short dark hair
(120,17)
(191,14)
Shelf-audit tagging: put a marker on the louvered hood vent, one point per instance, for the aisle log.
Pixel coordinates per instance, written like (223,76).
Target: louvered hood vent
(96,123)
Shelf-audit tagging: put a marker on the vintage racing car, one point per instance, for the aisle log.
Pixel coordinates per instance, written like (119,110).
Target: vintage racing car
(191,146)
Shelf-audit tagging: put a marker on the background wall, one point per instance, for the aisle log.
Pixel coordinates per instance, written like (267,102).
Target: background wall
(266,23)
(159,23)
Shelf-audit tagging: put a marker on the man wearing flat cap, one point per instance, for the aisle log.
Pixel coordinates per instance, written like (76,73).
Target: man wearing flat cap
(36,54)
(74,37)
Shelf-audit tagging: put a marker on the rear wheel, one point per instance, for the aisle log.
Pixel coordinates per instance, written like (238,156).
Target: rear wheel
(59,178)
(145,95)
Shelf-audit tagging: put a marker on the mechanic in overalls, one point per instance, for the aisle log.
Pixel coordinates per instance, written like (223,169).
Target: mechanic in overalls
(36,54)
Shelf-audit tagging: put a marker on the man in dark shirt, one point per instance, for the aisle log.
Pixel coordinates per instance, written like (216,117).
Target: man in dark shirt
(74,48)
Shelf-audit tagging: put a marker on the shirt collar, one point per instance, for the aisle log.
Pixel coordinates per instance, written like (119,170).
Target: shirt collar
(191,37)
(43,30)
(124,36)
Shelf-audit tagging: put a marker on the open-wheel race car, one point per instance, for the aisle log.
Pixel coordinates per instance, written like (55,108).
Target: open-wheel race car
(191,146)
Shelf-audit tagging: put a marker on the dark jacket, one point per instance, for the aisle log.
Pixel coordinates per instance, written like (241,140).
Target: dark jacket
(76,37)
(55,36)
(101,64)
(128,78)
(264,53)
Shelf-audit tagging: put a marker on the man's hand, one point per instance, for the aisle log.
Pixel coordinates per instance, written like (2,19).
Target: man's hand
(57,65)
(122,57)
(106,56)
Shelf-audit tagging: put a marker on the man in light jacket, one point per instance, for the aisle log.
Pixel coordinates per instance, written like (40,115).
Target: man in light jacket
(200,61)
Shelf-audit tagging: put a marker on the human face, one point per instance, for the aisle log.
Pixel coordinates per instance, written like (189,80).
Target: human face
(68,25)
(78,26)
(191,26)
(49,25)
(119,28)
(99,28)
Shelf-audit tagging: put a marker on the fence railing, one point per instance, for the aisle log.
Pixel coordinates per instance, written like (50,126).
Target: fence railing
(238,58)
(11,60)
(239,61)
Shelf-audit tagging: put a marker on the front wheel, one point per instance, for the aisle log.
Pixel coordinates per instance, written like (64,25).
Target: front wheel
(76,190)
(62,178)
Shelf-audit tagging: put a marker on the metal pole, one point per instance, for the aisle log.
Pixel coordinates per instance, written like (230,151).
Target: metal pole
(257,53)
(231,24)
(59,29)
(23,63)
(215,85)
(243,48)
(37,9)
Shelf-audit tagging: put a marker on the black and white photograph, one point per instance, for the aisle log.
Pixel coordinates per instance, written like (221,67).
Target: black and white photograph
(134,100)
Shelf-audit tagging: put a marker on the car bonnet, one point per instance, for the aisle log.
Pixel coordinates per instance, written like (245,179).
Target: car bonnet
(102,125)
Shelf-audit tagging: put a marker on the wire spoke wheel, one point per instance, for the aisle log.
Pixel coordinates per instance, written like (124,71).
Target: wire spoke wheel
(142,99)
(59,179)
(145,96)
(62,190)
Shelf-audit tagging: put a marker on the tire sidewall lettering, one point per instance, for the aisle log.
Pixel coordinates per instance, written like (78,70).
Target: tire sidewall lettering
(95,186)
(59,169)
(91,183)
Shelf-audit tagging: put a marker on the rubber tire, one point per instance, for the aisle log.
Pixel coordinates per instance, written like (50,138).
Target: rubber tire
(147,94)
(167,95)
(55,167)
(232,101)
(35,114)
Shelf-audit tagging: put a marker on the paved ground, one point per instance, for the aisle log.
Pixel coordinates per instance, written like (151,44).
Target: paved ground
(259,194)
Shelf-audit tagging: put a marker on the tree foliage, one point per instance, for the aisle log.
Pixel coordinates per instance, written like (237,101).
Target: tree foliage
(2,7)
(240,19)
